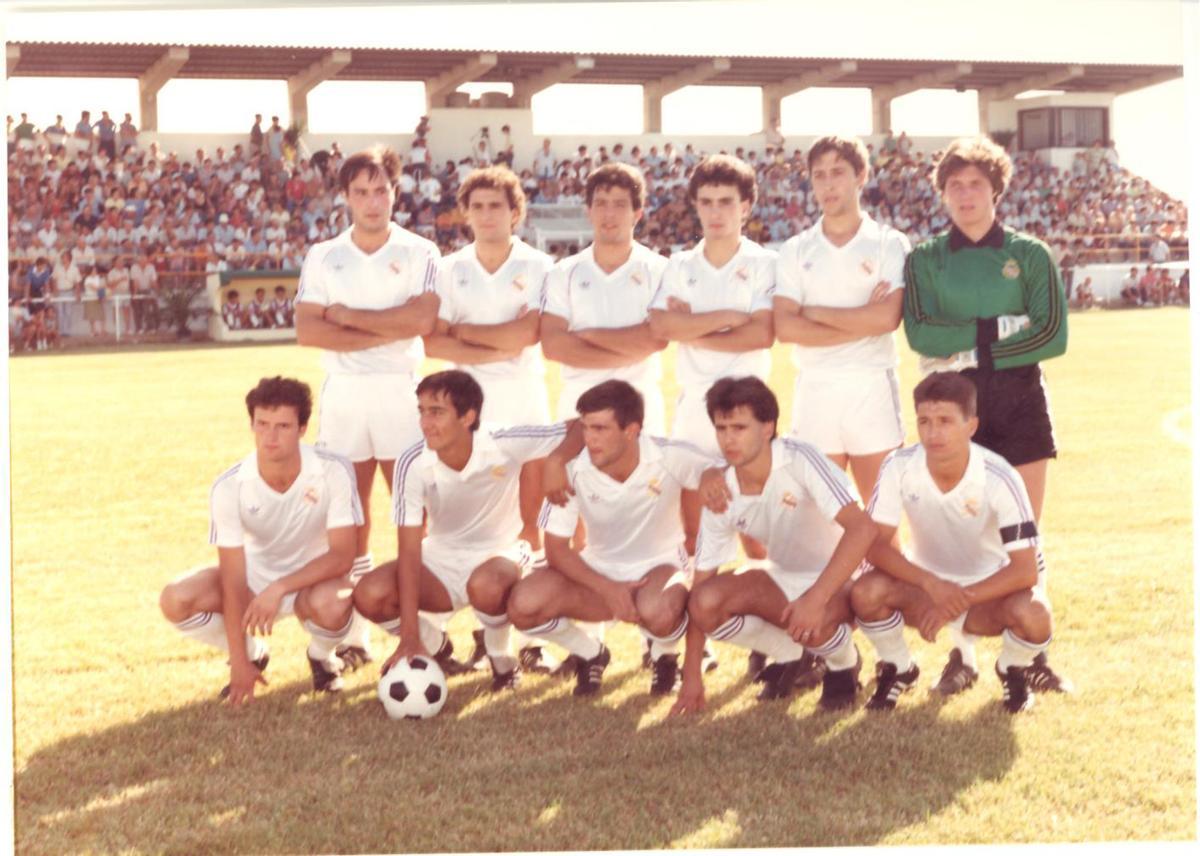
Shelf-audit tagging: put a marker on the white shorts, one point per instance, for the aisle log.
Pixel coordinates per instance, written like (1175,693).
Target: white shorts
(368,416)
(848,413)
(515,401)
(628,572)
(791,583)
(257,582)
(453,566)
(655,419)
(691,423)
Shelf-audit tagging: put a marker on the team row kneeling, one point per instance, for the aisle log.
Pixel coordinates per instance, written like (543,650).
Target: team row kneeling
(284,520)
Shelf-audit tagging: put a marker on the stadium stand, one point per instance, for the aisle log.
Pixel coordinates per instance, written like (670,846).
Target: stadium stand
(91,211)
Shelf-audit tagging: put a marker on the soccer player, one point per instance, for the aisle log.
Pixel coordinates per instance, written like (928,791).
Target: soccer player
(466,479)
(788,496)
(283,522)
(634,568)
(974,558)
(838,298)
(366,298)
(715,300)
(594,314)
(988,301)
(489,317)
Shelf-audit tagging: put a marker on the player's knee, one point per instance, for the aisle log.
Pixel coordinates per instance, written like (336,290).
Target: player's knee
(660,616)
(374,598)
(175,605)
(1030,619)
(328,605)
(704,605)
(487,591)
(525,606)
(869,595)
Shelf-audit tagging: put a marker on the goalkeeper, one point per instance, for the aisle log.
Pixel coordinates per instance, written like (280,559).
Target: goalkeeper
(988,301)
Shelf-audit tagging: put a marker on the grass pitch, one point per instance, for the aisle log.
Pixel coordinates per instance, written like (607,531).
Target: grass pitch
(120,747)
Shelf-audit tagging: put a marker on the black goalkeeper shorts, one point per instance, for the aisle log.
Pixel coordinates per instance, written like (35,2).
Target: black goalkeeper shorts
(1014,416)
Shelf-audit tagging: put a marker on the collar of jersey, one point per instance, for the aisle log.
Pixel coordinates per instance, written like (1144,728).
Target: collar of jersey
(994,238)
(249,470)
(699,251)
(648,452)
(344,236)
(483,452)
(591,256)
(972,478)
(863,232)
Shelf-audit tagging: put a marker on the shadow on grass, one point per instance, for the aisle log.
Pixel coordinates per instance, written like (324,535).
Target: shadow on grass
(533,770)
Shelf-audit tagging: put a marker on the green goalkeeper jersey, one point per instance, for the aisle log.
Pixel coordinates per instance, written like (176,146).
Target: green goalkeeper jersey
(955,290)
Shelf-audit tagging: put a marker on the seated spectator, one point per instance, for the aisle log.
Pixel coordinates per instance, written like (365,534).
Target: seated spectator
(258,310)
(232,311)
(282,311)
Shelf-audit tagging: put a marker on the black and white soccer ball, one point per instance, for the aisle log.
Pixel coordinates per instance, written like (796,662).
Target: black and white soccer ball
(413,689)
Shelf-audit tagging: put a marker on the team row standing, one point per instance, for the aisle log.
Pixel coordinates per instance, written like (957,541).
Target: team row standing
(835,291)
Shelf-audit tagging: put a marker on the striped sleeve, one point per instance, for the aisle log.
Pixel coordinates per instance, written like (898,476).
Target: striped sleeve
(408,490)
(524,443)
(312,288)
(787,273)
(685,462)
(927,332)
(554,298)
(559,520)
(445,281)
(1046,306)
(345,507)
(430,276)
(764,283)
(1014,514)
(225,520)
(885,505)
(826,485)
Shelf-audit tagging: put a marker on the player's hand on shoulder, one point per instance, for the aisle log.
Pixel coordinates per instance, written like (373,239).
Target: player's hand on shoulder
(556,484)
(690,698)
(714,493)
(243,677)
(259,618)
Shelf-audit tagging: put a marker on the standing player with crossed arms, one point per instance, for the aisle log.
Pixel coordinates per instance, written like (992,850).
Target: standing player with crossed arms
(366,298)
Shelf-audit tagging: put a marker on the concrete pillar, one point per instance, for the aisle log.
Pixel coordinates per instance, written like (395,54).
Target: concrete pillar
(881,112)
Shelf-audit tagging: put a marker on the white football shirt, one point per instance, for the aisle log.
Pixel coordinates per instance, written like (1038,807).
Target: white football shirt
(635,524)
(793,516)
(476,508)
(813,271)
(337,271)
(965,534)
(745,283)
(282,532)
(471,295)
(579,291)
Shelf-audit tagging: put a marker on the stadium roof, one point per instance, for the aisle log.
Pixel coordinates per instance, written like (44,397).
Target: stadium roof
(76,59)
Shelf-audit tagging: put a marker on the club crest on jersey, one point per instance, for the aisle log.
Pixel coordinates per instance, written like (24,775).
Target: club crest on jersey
(654,487)
(499,472)
(395,268)
(970,507)
(519,282)
(868,267)
(310,496)
(742,273)
(789,500)
(1011,269)
(636,277)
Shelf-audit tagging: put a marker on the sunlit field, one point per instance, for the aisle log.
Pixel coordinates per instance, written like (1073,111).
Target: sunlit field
(121,747)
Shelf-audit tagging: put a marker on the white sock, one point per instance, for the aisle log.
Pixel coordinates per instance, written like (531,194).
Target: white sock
(497,632)
(565,632)
(209,628)
(668,644)
(887,635)
(839,652)
(432,636)
(324,642)
(360,629)
(965,643)
(1015,651)
(757,634)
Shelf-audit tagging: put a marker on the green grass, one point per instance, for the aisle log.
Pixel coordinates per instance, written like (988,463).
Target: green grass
(119,746)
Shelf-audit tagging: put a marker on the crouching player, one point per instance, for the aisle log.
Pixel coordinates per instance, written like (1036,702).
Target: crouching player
(788,496)
(467,480)
(974,558)
(627,490)
(283,522)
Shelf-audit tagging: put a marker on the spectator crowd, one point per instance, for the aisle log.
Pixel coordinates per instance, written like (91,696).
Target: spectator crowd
(94,213)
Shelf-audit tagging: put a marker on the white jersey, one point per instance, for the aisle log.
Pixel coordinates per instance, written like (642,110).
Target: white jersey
(965,534)
(745,283)
(812,271)
(471,295)
(579,291)
(337,271)
(793,516)
(477,508)
(282,532)
(635,524)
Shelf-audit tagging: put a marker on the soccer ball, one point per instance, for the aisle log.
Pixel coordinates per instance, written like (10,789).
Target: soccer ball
(413,689)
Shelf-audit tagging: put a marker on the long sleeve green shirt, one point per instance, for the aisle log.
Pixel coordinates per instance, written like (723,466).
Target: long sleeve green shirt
(951,283)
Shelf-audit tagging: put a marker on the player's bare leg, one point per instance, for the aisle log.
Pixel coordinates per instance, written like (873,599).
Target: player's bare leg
(377,598)
(531,498)
(547,605)
(865,469)
(488,589)
(325,611)
(689,511)
(662,609)
(883,605)
(355,650)
(1024,622)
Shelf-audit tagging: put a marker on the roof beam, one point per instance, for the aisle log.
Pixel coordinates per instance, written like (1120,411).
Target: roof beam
(303,82)
(1042,80)
(13,57)
(930,79)
(687,77)
(525,88)
(1148,80)
(155,78)
(815,77)
(437,88)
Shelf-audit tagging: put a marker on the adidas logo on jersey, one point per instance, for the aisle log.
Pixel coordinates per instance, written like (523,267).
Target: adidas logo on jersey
(253,509)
